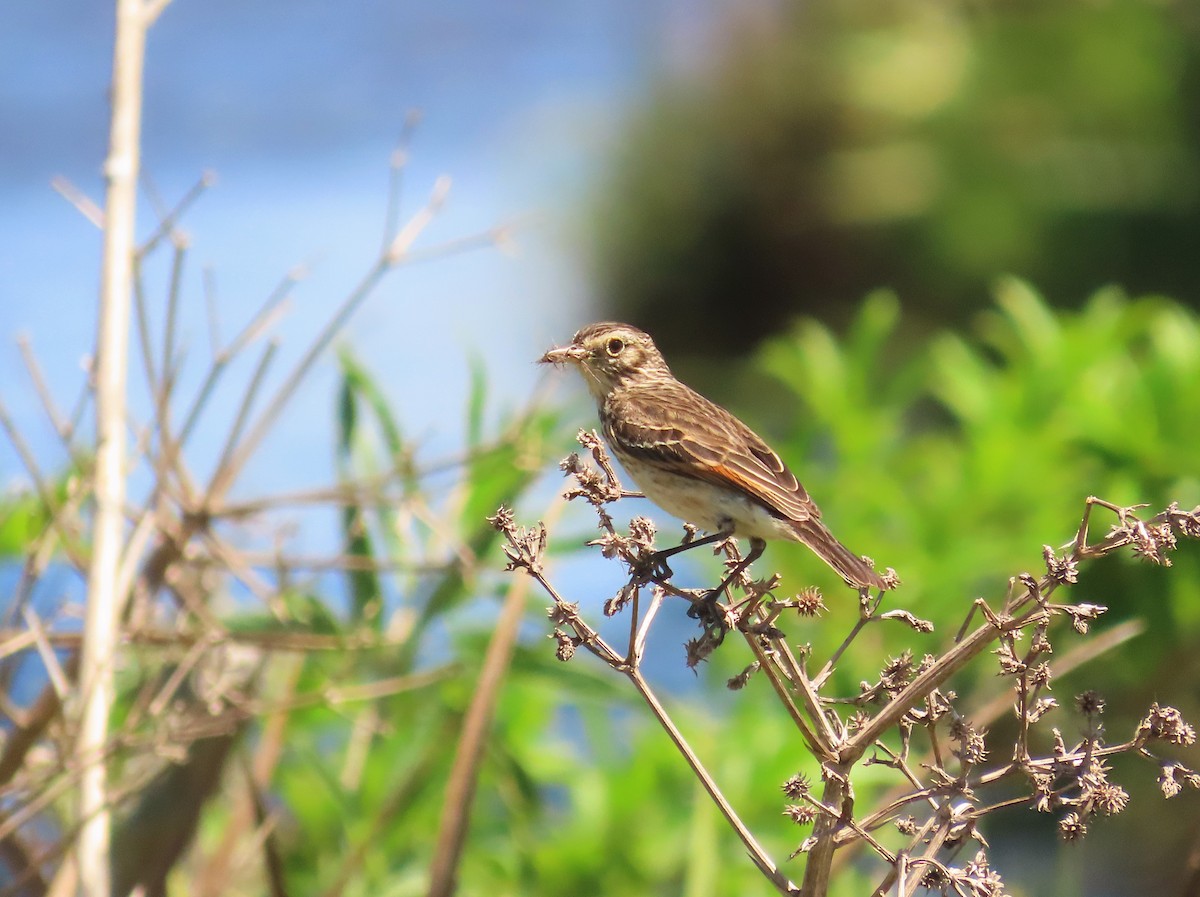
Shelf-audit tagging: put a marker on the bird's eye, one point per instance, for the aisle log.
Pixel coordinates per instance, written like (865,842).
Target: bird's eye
(614,346)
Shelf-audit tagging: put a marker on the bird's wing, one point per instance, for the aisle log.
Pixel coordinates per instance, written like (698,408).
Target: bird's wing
(676,428)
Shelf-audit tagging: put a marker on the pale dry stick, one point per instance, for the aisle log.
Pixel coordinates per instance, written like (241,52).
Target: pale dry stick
(866,615)
(827,738)
(195,653)
(917,690)
(935,844)
(61,425)
(334,696)
(170,322)
(757,853)
(818,866)
(468,757)
(214,874)
(23,640)
(243,415)
(272,309)
(397,165)
(232,559)
(141,316)
(116,289)
(273,639)
(810,735)
(341,562)
(54,671)
(225,474)
(1081,654)
(132,558)
(45,795)
(169,218)
(639,644)
(499,236)
(83,203)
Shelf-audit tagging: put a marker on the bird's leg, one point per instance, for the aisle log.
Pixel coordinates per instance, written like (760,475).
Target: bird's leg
(706,610)
(659,558)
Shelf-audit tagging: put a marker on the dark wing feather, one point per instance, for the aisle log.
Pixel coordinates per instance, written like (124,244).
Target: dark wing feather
(671,425)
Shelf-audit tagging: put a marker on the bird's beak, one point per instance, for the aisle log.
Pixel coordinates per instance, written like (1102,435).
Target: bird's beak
(572,353)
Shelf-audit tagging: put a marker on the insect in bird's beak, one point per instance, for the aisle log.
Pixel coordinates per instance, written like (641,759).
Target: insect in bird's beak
(567,354)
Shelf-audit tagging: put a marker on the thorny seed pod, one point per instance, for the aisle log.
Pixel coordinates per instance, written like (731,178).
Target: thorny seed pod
(1071,827)
(1062,570)
(809,603)
(1168,724)
(566,645)
(738,682)
(801,814)
(1167,782)
(563,612)
(1110,798)
(797,786)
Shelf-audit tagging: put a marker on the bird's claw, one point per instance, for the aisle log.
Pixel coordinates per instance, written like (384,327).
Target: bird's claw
(707,610)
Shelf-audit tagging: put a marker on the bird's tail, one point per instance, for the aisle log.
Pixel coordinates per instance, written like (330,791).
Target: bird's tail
(849,566)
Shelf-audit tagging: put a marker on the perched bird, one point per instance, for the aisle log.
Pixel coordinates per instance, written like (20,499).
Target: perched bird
(694,459)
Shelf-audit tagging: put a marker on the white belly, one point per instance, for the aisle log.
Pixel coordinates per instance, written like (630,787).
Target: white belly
(705,505)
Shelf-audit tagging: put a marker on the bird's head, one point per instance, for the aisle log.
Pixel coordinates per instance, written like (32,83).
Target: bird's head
(611,355)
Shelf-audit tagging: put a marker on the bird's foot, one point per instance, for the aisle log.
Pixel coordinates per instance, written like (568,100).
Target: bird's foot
(708,611)
(657,567)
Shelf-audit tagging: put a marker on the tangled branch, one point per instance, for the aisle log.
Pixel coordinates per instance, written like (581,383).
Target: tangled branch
(942,787)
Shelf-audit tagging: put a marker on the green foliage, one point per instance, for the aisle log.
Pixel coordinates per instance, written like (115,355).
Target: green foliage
(954,459)
(924,147)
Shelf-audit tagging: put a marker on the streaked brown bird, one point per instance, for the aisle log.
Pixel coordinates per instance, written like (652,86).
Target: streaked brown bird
(694,459)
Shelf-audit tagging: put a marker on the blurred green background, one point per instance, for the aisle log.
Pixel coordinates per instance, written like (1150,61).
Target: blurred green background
(830,149)
(944,257)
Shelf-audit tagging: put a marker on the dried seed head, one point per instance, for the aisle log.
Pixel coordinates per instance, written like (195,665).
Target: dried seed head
(897,673)
(1188,522)
(797,786)
(1010,664)
(809,603)
(1071,827)
(907,825)
(1040,675)
(981,879)
(566,645)
(1083,614)
(1040,643)
(1045,799)
(1110,798)
(562,612)
(1167,782)
(1040,708)
(971,747)
(738,682)
(801,814)
(1062,570)
(641,530)
(502,520)
(1090,703)
(697,650)
(617,603)
(1168,724)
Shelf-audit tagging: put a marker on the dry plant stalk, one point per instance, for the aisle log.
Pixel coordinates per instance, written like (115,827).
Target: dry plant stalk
(937,808)
(180,550)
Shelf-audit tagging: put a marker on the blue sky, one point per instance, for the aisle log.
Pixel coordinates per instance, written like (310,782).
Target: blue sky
(296,107)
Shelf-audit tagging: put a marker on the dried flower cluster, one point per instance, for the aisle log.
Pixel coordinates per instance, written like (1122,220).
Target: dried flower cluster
(941,786)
